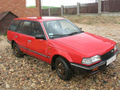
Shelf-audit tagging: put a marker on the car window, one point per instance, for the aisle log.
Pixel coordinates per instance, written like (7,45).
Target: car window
(64,24)
(60,28)
(36,29)
(25,27)
(14,25)
(19,26)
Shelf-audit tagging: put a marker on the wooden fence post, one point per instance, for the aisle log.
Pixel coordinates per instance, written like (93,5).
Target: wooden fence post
(78,8)
(62,10)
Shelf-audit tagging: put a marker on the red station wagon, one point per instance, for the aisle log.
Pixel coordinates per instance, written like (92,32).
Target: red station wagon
(62,44)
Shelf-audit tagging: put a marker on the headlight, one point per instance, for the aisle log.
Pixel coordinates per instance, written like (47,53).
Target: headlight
(115,47)
(89,61)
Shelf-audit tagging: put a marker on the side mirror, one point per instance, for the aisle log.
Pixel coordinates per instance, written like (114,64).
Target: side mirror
(80,28)
(40,37)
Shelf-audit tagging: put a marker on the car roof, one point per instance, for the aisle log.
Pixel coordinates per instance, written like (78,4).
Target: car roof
(39,18)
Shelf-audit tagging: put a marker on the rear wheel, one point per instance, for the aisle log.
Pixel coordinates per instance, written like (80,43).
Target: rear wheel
(16,50)
(63,69)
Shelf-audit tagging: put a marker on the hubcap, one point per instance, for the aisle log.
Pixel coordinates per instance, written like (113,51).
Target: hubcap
(61,68)
(16,50)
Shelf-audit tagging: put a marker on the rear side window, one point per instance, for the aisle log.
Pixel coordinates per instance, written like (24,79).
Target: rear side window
(14,25)
(19,27)
(25,27)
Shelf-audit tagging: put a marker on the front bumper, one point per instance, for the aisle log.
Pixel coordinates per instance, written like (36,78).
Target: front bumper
(92,68)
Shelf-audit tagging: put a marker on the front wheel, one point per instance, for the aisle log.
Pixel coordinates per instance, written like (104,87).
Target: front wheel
(63,69)
(16,50)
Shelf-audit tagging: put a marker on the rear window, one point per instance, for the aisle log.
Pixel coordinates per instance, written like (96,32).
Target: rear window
(14,25)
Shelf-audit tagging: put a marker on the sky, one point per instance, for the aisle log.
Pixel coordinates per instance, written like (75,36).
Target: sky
(63,2)
(57,3)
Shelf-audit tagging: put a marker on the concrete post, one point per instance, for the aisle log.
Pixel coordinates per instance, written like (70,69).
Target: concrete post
(78,8)
(99,6)
(62,10)
(49,11)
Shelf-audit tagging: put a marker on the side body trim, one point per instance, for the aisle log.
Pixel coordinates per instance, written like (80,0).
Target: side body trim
(34,52)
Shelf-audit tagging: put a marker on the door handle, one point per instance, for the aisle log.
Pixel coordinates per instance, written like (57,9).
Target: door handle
(29,41)
(16,36)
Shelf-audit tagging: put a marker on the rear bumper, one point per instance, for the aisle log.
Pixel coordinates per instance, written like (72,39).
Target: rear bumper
(92,68)
(9,41)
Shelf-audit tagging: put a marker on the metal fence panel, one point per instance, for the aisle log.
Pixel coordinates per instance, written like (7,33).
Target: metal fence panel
(45,12)
(71,11)
(55,11)
(111,6)
(106,6)
(89,8)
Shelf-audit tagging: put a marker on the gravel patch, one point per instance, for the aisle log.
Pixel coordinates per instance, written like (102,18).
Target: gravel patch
(30,73)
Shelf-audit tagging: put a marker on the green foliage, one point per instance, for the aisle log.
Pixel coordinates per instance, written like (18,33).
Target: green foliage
(46,7)
(31,6)
(43,7)
(5,33)
(118,22)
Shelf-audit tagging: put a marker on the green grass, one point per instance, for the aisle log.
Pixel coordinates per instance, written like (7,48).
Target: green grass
(5,34)
(31,6)
(118,22)
(43,7)
(46,7)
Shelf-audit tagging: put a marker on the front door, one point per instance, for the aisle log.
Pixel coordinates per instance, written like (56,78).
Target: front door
(37,47)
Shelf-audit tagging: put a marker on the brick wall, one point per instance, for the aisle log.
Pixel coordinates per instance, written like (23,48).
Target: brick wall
(18,7)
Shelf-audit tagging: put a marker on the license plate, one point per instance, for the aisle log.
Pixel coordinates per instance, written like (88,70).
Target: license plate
(111,60)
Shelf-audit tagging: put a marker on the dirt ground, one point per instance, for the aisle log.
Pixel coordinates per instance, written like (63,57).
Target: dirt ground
(29,73)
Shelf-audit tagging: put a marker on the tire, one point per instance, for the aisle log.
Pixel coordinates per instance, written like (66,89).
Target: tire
(63,69)
(16,51)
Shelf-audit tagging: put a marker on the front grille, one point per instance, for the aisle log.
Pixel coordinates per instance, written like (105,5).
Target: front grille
(107,55)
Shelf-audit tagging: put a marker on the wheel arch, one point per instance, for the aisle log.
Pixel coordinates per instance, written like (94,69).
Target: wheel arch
(12,42)
(54,59)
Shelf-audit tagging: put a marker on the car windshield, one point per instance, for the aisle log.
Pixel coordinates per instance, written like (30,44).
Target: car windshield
(60,28)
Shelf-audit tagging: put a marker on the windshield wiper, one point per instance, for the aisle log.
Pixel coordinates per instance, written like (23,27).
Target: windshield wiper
(58,35)
(75,33)
(64,35)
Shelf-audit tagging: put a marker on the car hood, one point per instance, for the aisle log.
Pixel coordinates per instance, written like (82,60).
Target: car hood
(86,43)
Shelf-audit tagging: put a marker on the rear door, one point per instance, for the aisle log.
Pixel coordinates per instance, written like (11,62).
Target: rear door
(23,30)
(16,34)
(37,47)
